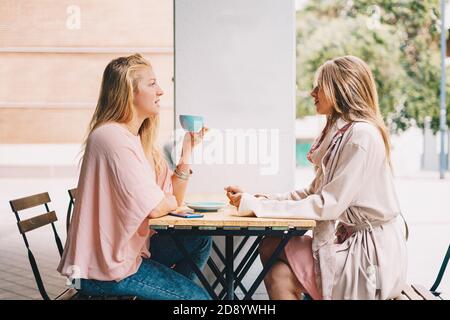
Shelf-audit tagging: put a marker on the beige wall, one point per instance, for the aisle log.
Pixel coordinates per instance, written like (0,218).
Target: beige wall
(50,74)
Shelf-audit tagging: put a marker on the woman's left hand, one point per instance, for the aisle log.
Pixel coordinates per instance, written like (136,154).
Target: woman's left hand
(235,199)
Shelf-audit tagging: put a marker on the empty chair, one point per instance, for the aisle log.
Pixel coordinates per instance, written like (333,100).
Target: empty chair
(419,292)
(437,282)
(49,217)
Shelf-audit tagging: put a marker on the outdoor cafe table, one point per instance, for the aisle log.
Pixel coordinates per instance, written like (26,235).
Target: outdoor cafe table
(230,226)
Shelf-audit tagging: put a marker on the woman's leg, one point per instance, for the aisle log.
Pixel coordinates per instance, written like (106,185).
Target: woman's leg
(164,250)
(152,281)
(281,282)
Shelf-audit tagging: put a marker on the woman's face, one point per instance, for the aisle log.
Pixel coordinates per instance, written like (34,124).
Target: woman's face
(323,106)
(146,97)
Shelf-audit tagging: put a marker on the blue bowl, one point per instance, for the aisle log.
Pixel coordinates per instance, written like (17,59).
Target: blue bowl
(191,123)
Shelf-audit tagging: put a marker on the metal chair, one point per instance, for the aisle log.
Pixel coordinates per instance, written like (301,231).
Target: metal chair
(441,272)
(419,292)
(72,194)
(49,217)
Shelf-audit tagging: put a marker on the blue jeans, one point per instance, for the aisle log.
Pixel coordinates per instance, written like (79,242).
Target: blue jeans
(165,276)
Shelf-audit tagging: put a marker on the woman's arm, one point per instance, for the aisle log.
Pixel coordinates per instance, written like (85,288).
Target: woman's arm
(167,204)
(328,204)
(233,194)
(293,195)
(180,177)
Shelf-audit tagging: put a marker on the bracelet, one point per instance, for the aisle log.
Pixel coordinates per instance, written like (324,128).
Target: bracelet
(182,175)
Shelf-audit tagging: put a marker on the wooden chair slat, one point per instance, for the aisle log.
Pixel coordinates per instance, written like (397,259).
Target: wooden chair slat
(401,297)
(426,295)
(37,222)
(411,293)
(68,294)
(29,202)
(42,220)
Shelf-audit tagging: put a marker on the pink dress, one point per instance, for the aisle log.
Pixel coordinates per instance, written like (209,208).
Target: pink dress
(300,257)
(117,190)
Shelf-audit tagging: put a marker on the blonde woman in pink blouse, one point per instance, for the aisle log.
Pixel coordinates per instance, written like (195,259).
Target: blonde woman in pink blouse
(124,181)
(358,250)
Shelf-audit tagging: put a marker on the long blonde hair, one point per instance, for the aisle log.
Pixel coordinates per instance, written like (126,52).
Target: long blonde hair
(119,82)
(348,84)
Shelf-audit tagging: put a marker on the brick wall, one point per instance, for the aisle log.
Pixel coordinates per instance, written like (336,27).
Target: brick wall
(53,53)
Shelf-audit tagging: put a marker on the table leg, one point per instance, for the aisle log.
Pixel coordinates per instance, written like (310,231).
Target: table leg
(240,275)
(248,257)
(222,258)
(229,258)
(218,252)
(268,265)
(217,273)
(220,279)
(194,267)
(241,245)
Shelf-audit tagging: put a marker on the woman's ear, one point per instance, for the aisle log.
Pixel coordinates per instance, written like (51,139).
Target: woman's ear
(135,85)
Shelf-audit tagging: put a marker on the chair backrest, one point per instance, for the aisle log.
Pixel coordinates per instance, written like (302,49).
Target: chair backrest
(49,217)
(72,195)
(444,264)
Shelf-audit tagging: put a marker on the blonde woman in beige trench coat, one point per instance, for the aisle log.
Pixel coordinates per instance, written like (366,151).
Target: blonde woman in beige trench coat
(358,249)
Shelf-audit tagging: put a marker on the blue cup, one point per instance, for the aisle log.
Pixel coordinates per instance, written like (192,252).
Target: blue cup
(191,123)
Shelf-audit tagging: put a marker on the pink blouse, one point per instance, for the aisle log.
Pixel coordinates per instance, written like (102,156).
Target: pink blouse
(117,190)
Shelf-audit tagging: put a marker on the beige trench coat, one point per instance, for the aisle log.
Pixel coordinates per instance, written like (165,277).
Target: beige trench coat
(353,187)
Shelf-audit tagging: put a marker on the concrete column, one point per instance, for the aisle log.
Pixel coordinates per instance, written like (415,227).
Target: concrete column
(235,65)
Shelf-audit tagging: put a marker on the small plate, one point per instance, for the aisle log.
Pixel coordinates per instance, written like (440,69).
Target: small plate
(205,206)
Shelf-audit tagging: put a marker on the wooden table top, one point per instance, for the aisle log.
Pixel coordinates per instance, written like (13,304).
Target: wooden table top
(226,219)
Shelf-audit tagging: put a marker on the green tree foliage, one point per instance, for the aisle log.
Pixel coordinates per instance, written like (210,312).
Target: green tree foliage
(398,39)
